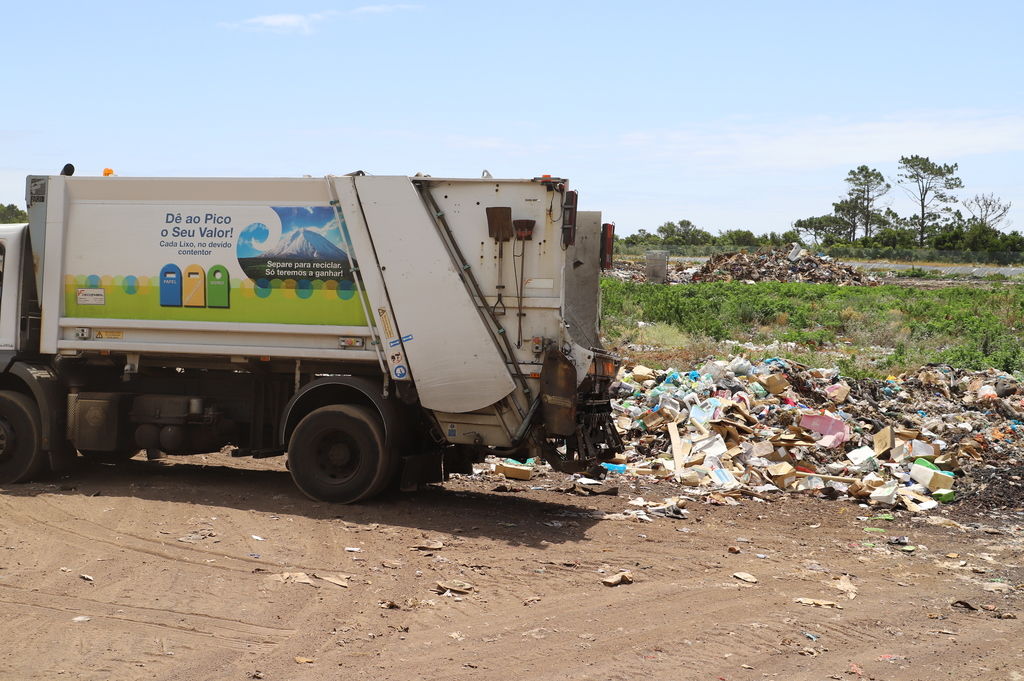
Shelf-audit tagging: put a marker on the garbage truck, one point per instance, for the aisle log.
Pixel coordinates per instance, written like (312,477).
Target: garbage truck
(375,330)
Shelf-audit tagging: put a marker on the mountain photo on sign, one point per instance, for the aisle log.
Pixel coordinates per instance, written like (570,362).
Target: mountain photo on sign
(306,245)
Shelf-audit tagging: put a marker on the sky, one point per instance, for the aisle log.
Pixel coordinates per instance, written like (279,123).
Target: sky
(740,115)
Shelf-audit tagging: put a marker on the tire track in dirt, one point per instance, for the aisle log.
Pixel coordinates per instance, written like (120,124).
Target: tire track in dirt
(92,533)
(229,633)
(653,635)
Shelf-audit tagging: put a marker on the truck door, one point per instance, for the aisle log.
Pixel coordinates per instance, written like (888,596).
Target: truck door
(10,279)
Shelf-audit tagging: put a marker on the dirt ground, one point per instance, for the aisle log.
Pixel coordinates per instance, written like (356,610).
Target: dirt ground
(178,565)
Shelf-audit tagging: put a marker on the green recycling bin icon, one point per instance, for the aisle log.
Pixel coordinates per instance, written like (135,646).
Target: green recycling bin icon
(218,287)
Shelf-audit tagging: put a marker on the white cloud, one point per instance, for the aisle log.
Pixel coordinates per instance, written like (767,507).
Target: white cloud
(282,23)
(822,142)
(305,23)
(383,9)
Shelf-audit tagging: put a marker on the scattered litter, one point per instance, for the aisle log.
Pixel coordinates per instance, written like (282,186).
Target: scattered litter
(304,660)
(197,536)
(818,603)
(337,580)
(997,587)
(456,586)
(257,537)
(428,545)
(846,585)
(87,578)
(746,577)
(292,578)
(81,618)
(623,577)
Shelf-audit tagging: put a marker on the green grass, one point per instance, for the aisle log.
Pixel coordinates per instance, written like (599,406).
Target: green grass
(869,330)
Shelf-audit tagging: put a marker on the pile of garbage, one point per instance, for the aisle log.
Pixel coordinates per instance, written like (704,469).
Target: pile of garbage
(734,428)
(785,264)
(636,270)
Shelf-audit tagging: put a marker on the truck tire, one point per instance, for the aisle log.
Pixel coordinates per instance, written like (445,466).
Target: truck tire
(337,453)
(20,430)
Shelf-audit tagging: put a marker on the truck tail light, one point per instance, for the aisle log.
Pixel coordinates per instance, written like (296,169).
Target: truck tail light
(604,366)
(569,218)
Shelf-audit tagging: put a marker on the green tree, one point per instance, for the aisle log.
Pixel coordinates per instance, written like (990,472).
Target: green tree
(824,229)
(642,238)
(980,237)
(1013,242)
(928,184)
(866,187)
(738,237)
(684,233)
(790,236)
(893,237)
(950,235)
(848,212)
(11,213)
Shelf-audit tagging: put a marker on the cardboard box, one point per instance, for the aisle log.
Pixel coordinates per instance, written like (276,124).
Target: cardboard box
(763,449)
(774,383)
(514,471)
(688,477)
(886,494)
(863,458)
(834,431)
(783,474)
(838,392)
(653,419)
(883,441)
(919,449)
(934,480)
(642,373)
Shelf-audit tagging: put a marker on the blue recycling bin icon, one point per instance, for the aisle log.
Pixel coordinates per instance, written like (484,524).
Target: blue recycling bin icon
(170,286)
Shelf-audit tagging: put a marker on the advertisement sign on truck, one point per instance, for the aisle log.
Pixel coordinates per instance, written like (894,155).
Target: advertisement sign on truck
(281,264)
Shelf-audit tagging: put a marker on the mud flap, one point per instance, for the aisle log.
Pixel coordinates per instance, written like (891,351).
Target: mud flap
(558,394)
(419,470)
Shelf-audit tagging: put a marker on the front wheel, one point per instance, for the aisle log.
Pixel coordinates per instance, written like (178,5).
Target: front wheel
(338,453)
(20,434)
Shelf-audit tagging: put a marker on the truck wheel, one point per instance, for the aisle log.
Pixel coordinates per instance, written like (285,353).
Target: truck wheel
(337,453)
(20,430)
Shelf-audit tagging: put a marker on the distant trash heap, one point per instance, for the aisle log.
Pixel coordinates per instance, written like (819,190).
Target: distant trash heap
(786,264)
(732,428)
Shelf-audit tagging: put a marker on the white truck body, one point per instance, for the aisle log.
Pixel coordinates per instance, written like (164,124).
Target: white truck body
(389,276)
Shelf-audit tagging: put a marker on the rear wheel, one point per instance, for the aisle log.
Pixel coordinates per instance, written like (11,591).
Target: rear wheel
(20,431)
(337,453)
